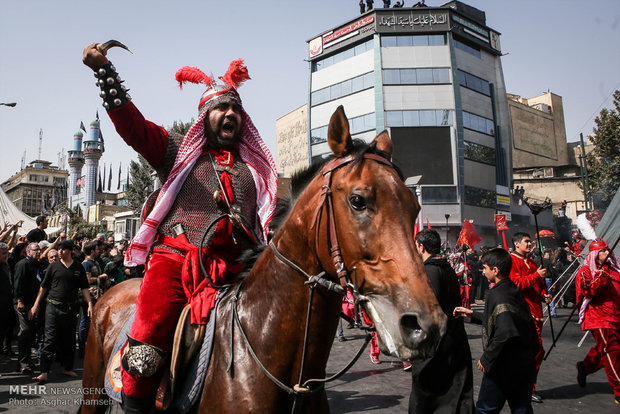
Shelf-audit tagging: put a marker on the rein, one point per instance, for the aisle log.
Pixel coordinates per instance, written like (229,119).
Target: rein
(303,389)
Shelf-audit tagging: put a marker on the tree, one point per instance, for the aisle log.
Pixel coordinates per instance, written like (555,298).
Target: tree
(78,224)
(181,127)
(604,160)
(140,185)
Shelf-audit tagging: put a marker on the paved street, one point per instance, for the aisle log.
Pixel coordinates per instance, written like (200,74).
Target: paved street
(366,387)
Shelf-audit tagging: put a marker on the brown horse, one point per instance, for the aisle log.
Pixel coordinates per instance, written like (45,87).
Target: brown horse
(370,215)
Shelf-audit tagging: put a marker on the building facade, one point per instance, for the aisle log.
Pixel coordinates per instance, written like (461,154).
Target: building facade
(291,142)
(544,164)
(37,188)
(433,78)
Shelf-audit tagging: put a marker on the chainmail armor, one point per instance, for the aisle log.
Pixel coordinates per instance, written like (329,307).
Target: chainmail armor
(194,206)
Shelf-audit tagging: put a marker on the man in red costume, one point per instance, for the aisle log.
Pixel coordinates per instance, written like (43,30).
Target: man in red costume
(530,279)
(598,286)
(222,151)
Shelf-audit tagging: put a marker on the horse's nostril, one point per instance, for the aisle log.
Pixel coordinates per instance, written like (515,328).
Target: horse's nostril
(412,332)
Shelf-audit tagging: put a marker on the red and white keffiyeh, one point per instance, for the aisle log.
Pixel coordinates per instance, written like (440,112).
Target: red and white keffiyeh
(252,150)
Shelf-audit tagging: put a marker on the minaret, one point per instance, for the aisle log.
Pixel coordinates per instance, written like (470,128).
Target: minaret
(93,150)
(76,162)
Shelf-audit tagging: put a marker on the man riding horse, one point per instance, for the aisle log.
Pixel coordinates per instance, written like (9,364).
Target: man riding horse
(223,152)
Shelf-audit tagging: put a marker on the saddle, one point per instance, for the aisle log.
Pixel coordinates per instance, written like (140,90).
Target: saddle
(187,341)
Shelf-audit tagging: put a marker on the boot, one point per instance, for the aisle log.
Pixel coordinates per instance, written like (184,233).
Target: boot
(137,405)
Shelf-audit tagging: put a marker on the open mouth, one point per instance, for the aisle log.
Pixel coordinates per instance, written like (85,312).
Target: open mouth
(228,128)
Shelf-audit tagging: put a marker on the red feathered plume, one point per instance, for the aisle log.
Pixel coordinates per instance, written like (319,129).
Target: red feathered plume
(193,75)
(236,74)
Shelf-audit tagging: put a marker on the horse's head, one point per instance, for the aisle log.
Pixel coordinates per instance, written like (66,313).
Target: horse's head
(373,219)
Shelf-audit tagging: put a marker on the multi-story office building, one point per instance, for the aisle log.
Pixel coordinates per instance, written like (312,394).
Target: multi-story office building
(431,76)
(37,187)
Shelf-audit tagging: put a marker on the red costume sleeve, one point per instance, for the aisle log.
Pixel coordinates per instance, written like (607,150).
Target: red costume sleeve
(148,139)
(591,286)
(522,276)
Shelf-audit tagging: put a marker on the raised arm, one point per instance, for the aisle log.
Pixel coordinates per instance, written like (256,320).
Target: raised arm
(148,139)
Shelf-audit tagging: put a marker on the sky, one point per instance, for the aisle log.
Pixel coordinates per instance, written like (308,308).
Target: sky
(568,47)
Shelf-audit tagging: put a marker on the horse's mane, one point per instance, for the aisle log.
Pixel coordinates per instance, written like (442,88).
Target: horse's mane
(299,181)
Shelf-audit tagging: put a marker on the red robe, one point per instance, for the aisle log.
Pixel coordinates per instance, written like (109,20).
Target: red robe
(524,274)
(602,318)
(172,280)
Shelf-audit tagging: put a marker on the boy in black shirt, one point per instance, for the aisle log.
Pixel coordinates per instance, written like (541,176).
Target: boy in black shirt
(64,279)
(509,340)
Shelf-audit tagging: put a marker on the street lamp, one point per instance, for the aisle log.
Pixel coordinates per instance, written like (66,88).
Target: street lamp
(11,104)
(447,216)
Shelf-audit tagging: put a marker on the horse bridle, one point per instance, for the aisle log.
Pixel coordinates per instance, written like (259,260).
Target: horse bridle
(302,390)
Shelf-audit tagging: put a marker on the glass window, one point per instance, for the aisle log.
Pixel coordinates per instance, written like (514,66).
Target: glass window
(359,49)
(335,91)
(444,117)
(438,195)
(404,41)
(346,87)
(479,153)
(441,76)
(420,40)
(411,118)
(357,84)
(391,76)
(425,76)
(388,41)
(428,118)
(394,118)
(408,76)
(480,197)
(490,127)
(370,121)
(369,80)
(436,40)
(357,124)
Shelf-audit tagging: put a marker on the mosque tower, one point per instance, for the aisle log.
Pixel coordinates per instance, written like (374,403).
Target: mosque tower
(93,150)
(76,162)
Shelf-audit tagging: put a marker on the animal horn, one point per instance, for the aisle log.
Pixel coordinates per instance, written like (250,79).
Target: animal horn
(104,47)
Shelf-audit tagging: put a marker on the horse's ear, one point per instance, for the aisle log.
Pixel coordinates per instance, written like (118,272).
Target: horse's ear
(383,145)
(338,136)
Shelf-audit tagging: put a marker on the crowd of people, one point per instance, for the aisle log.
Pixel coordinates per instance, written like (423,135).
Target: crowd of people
(47,285)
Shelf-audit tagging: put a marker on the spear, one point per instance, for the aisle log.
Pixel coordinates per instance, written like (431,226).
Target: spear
(536,208)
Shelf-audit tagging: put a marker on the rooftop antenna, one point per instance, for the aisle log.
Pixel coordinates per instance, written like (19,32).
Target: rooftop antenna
(40,143)
(23,160)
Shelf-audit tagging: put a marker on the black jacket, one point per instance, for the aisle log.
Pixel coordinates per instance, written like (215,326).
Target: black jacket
(446,380)
(509,335)
(27,281)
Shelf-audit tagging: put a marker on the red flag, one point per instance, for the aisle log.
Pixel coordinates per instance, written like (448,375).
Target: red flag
(428,224)
(469,235)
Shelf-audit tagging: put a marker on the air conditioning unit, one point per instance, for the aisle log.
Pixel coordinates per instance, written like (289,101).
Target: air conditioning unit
(538,173)
(548,172)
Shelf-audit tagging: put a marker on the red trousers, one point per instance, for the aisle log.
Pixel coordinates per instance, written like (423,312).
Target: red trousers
(160,302)
(605,354)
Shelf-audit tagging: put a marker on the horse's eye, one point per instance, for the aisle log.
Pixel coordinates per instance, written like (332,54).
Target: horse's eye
(357,202)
